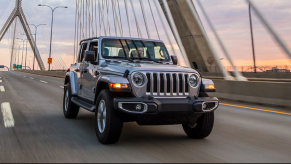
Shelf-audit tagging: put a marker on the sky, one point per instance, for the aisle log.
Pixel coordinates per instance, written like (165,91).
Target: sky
(230,18)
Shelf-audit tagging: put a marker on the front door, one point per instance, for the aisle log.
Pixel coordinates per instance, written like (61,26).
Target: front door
(89,77)
(80,67)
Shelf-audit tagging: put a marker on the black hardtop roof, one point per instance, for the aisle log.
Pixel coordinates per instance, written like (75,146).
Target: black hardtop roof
(115,37)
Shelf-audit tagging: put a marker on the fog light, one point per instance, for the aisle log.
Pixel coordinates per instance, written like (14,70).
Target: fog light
(204,106)
(138,107)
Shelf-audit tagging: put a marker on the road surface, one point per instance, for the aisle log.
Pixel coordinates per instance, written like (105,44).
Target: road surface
(38,131)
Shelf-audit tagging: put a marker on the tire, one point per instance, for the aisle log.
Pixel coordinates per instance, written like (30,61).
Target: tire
(202,128)
(70,109)
(108,131)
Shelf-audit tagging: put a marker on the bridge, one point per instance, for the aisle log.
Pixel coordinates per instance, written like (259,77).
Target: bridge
(251,124)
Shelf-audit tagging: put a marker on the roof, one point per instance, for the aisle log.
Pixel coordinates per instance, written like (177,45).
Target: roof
(115,37)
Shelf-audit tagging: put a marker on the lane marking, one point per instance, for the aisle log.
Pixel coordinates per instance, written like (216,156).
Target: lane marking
(263,110)
(31,78)
(24,76)
(62,87)
(2,89)
(7,115)
(0,81)
(43,81)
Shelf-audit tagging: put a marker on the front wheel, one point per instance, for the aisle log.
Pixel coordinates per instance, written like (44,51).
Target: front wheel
(202,128)
(108,122)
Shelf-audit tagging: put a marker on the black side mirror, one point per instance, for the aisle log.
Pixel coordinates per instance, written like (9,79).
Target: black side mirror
(175,60)
(90,56)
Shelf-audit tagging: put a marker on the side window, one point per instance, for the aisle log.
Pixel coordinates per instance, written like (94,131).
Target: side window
(94,47)
(82,52)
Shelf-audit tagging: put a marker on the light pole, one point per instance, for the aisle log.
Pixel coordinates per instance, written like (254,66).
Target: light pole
(252,36)
(35,31)
(18,53)
(53,9)
(23,40)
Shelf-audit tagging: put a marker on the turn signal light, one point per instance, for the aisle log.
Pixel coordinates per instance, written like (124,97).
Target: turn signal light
(210,86)
(118,85)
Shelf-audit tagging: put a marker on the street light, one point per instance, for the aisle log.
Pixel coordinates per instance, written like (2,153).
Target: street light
(23,40)
(18,52)
(53,9)
(35,39)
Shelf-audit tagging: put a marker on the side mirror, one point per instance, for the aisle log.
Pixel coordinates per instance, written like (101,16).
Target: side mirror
(175,60)
(90,56)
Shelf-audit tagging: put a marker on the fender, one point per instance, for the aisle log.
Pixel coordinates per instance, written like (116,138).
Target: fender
(72,78)
(107,79)
(205,86)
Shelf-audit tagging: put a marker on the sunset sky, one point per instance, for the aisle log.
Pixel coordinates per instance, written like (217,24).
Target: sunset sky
(230,18)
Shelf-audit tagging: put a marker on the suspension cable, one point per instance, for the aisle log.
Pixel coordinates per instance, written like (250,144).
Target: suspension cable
(127,15)
(154,20)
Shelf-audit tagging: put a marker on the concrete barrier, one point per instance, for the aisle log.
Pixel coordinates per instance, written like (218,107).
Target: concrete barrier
(271,75)
(267,93)
(59,74)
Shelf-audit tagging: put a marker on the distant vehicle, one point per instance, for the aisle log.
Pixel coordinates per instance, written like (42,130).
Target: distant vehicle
(136,80)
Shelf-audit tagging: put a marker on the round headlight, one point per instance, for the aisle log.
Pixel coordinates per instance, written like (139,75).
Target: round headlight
(138,79)
(193,80)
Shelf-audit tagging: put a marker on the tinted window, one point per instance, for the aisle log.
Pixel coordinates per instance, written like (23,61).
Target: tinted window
(82,52)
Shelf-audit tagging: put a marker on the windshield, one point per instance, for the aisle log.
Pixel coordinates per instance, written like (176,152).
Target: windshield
(134,49)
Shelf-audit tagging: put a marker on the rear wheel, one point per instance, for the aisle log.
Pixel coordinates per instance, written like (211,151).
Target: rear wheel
(202,128)
(70,109)
(108,122)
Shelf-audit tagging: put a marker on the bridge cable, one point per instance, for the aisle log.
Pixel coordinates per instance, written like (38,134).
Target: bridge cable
(145,19)
(120,18)
(75,30)
(154,19)
(113,16)
(136,20)
(127,15)
(164,27)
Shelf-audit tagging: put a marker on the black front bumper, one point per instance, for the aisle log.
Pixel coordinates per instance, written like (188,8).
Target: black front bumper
(165,110)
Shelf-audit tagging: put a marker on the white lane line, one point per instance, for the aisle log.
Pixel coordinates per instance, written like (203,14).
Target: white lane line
(2,89)
(24,76)
(0,81)
(7,115)
(62,87)
(31,78)
(43,81)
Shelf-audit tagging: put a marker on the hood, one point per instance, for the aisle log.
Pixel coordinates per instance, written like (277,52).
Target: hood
(121,67)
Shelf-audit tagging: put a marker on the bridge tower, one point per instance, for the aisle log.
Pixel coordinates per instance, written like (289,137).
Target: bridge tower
(195,43)
(18,12)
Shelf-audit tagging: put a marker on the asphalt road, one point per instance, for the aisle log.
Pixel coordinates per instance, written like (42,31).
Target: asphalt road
(42,134)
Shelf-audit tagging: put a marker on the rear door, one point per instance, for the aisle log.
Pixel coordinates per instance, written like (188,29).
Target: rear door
(88,77)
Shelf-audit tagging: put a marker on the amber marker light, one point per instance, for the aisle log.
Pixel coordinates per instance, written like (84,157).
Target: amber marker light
(118,85)
(210,86)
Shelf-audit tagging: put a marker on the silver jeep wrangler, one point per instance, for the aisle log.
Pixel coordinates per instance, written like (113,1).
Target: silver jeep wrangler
(136,80)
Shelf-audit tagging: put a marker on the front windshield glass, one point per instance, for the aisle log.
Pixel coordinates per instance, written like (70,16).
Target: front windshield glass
(134,50)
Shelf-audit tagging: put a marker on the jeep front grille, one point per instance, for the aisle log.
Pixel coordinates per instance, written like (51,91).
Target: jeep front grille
(166,84)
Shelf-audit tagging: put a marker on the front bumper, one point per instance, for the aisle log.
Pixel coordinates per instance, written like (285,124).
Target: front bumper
(188,105)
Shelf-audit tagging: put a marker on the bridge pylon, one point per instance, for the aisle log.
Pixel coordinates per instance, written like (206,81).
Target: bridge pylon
(18,12)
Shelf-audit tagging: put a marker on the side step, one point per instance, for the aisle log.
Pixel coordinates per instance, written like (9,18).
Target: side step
(83,104)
